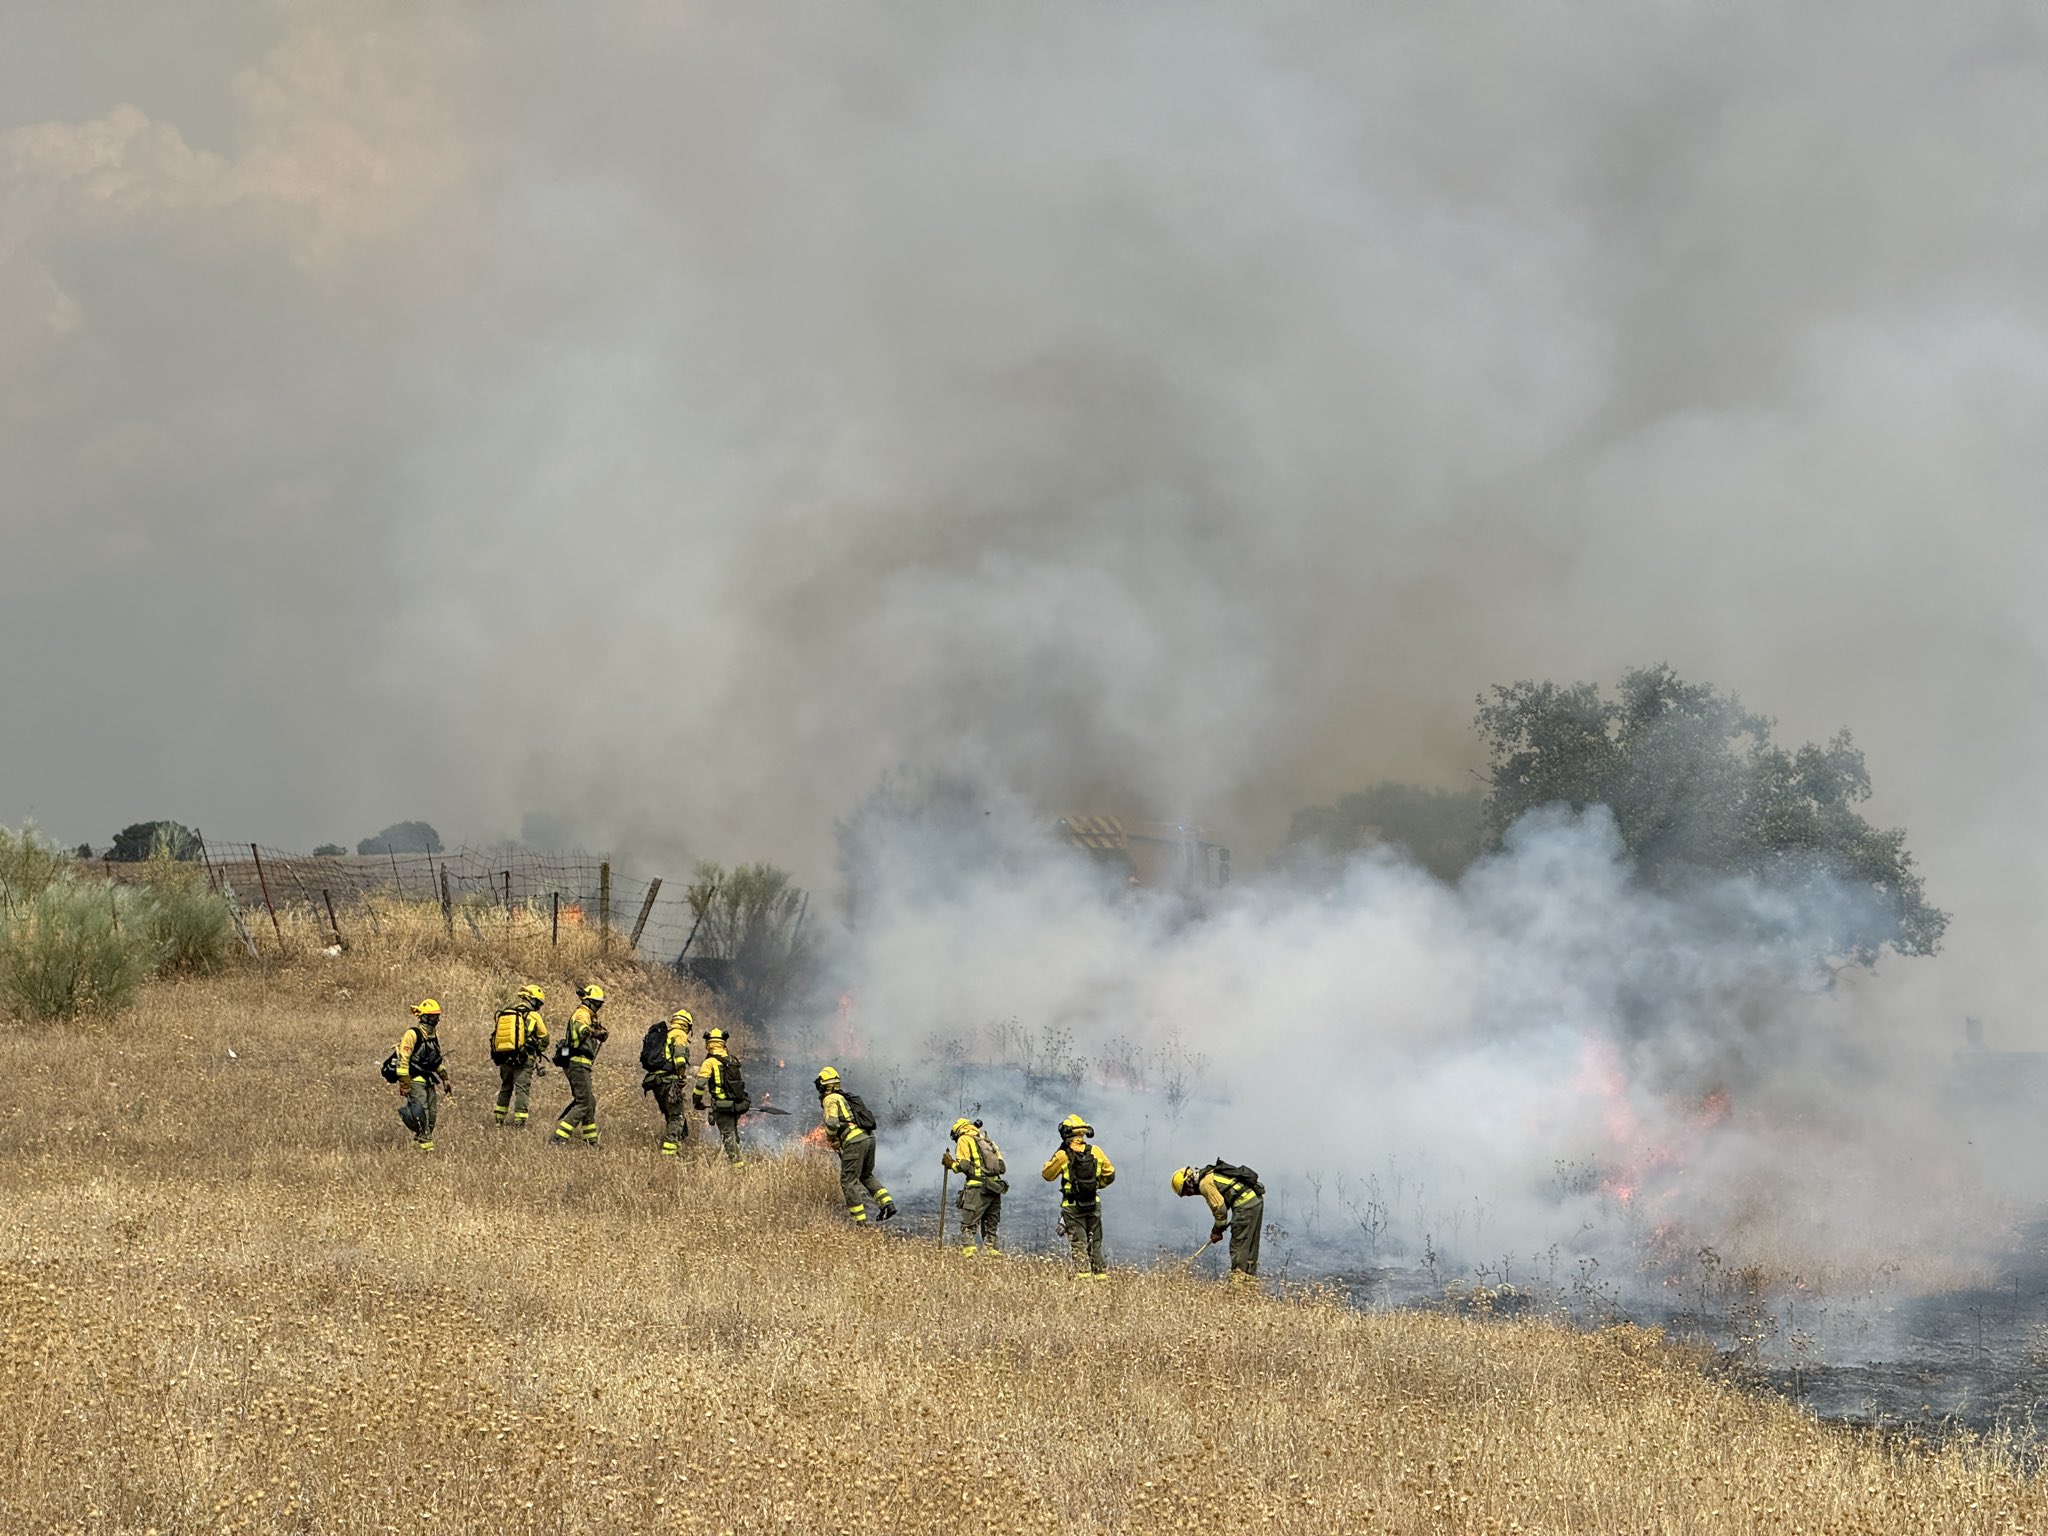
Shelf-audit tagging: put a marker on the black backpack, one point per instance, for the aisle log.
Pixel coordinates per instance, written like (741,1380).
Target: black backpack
(1084,1182)
(426,1056)
(1239,1172)
(654,1047)
(390,1068)
(735,1086)
(857,1107)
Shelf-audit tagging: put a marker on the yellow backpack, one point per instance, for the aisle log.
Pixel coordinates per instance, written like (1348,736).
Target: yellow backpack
(508,1038)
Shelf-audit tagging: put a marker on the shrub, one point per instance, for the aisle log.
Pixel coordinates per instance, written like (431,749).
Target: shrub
(184,923)
(66,953)
(136,842)
(329,851)
(29,865)
(402,837)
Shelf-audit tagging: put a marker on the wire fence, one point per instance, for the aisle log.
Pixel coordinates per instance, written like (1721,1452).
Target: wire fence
(648,917)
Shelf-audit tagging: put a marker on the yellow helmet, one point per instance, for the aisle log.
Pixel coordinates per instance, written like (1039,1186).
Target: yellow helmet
(681,1016)
(1074,1125)
(716,1037)
(1184,1180)
(591,992)
(829,1078)
(532,993)
(962,1127)
(427,1008)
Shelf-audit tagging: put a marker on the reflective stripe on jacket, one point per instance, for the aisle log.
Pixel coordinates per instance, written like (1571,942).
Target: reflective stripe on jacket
(582,1046)
(839,1126)
(967,1159)
(407,1044)
(711,1078)
(1225,1195)
(1056,1168)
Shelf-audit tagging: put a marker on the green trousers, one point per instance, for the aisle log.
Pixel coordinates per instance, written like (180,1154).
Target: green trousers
(728,1126)
(1247,1222)
(672,1098)
(515,1083)
(422,1110)
(981,1212)
(857,1176)
(1084,1240)
(581,1115)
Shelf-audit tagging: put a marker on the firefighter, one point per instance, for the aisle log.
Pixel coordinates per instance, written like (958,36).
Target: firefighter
(421,1079)
(669,1083)
(577,1055)
(975,1156)
(856,1145)
(1237,1203)
(720,1081)
(1084,1171)
(519,1039)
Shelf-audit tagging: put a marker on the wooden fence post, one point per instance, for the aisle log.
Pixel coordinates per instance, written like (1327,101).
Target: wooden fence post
(397,879)
(447,904)
(604,907)
(555,918)
(508,891)
(235,911)
(647,906)
(263,882)
(331,923)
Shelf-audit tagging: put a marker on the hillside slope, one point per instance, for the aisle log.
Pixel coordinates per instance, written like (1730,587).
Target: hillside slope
(235,1299)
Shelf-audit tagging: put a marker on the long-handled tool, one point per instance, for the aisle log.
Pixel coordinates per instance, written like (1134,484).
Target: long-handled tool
(1188,1263)
(945,1176)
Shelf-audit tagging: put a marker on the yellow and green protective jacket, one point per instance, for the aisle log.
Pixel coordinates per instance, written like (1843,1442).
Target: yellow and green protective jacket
(711,1078)
(839,1126)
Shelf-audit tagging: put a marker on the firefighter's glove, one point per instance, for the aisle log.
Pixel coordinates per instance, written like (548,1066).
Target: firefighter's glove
(946,1161)
(1216,1236)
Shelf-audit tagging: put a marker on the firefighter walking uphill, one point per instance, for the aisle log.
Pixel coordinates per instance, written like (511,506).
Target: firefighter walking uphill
(577,1057)
(1084,1171)
(519,1037)
(416,1067)
(975,1156)
(722,1092)
(850,1127)
(1237,1202)
(665,1058)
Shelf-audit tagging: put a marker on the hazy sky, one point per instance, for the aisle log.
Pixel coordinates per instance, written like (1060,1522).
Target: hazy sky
(669,417)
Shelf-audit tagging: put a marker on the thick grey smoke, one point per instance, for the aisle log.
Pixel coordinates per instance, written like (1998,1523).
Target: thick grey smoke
(1543,1064)
(669,418)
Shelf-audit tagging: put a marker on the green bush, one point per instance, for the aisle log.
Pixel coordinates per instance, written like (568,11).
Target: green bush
(185,924)
(29,865)
(67,952)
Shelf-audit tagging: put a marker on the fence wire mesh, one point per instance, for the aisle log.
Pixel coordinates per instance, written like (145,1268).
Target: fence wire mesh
(569,890)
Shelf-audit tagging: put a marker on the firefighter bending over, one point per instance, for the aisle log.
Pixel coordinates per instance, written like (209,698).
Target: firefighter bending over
(1084,1171)
(850,1127)
(1237,1202)
(975,1156)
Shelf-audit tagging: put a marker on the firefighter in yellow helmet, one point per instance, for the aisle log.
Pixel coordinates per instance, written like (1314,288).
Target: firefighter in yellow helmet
(1237,1203)
(852,1132)
(416,1067)
(975,1156)
(722,1092)
(577,1056)
(1084,1171)
(519,1042)
(665,1058)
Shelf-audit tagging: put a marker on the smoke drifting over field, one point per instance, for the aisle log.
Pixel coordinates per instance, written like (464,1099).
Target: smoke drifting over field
(668,419)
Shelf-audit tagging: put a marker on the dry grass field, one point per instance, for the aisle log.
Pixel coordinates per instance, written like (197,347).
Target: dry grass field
(235,1299)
